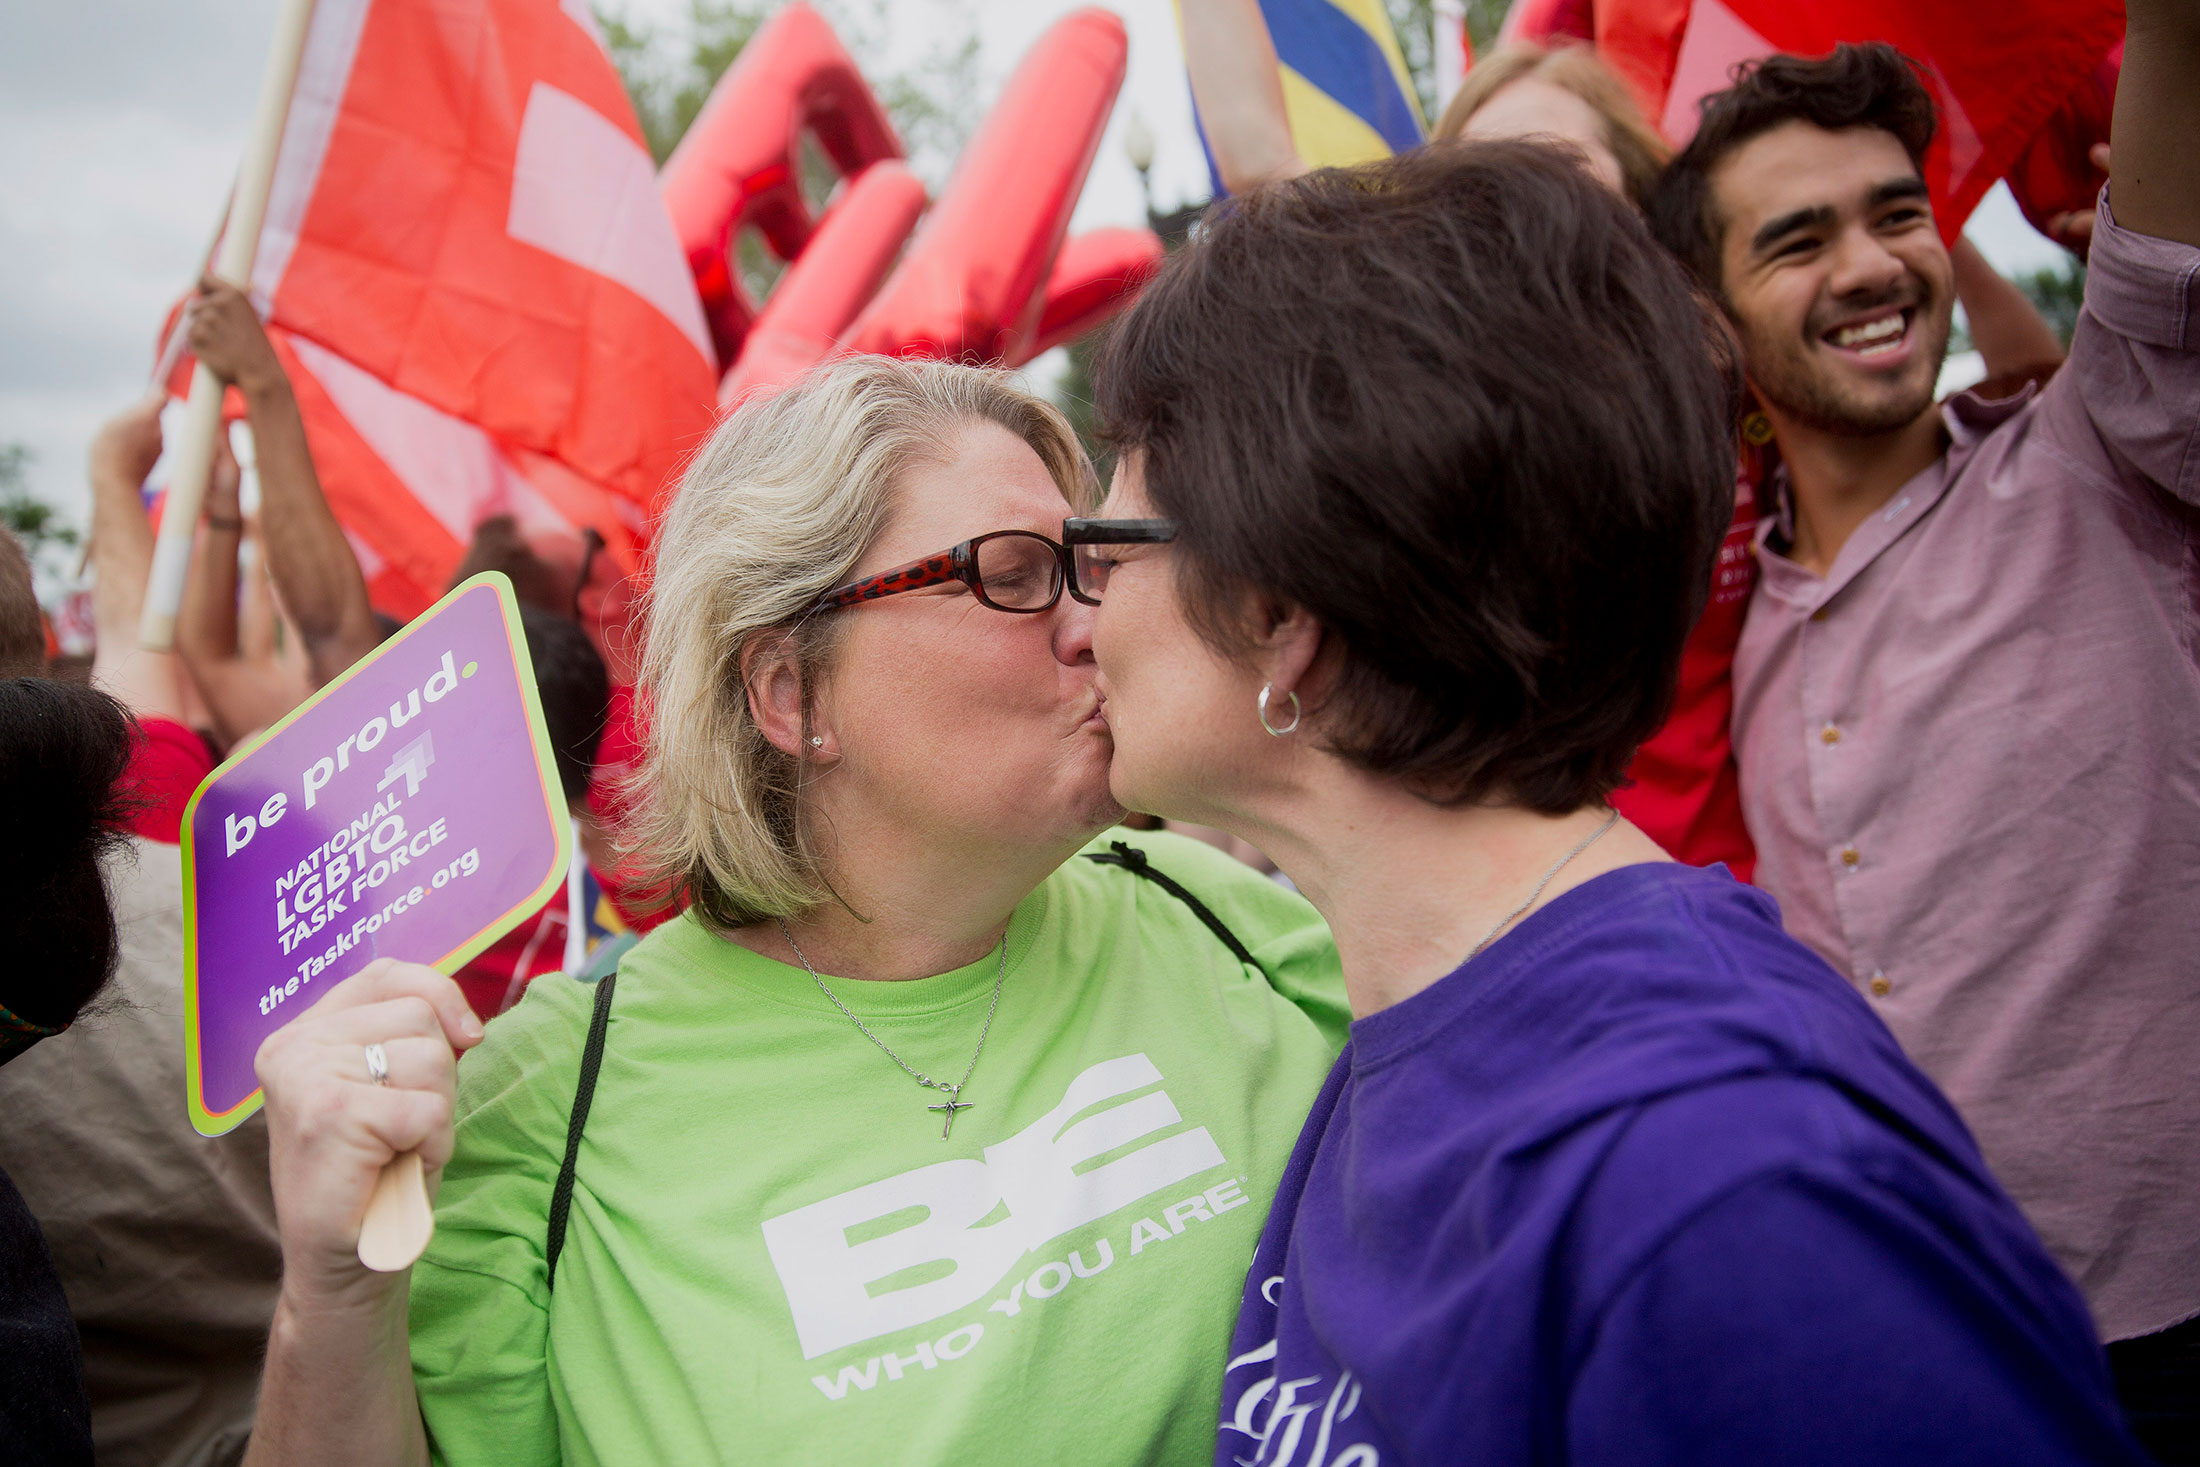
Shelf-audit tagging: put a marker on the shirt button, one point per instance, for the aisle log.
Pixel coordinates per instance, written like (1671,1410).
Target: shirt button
(1850,855)
(1880,986)
(1829,735)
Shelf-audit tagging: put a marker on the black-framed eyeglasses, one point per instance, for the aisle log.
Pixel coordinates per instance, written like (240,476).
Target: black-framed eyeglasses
(1017,571)
(1085,540)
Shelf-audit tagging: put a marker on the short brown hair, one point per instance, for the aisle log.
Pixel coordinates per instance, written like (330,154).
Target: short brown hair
(498,545)
(1460,407)
(1635,145)
(1871,85)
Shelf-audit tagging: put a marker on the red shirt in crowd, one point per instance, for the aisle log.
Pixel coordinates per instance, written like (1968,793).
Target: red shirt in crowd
(167,764)
(499,974)
(1684,793)
(618,756)
(494,980)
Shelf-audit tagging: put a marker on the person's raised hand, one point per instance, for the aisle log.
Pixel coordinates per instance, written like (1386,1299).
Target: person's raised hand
(332,1128)
(224,332)
(127,445)
(2074,230)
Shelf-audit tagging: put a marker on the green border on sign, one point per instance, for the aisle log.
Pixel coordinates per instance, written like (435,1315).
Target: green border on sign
(210,1123)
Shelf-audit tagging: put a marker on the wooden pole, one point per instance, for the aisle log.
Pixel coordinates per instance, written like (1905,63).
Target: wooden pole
(194,457)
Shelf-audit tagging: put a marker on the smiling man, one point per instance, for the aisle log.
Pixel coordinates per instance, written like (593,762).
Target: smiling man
(1967,702)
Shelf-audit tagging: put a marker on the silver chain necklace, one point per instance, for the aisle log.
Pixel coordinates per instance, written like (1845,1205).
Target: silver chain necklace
(954,1101)
(1548,876)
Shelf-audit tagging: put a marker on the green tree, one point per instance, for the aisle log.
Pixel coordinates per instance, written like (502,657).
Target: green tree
(1073,395)
(934,104)
(47,539)
(668,85)
(1415,23)
(2058,292)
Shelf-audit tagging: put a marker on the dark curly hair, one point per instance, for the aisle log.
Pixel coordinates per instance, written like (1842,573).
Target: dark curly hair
(1871,85)
(64,750)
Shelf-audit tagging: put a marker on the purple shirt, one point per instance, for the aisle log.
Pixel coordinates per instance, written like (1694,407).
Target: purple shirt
(1645,1182)
(1970,757)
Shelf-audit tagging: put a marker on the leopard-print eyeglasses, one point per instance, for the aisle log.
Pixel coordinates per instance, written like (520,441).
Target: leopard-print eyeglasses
(1017,571)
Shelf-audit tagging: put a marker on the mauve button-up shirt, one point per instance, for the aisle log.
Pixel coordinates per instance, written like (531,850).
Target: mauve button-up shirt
(1970,756)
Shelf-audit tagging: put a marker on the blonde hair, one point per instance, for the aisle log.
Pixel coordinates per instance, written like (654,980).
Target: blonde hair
(1635,145)
(773,513)
(776,510)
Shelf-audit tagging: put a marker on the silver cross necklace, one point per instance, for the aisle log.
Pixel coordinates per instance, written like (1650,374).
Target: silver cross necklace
(953,1092)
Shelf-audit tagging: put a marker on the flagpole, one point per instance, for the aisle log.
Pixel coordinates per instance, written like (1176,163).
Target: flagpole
(171,350)
(1454,52)
(194,458)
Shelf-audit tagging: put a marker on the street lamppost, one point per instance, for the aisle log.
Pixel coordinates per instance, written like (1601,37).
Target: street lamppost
(1138,146)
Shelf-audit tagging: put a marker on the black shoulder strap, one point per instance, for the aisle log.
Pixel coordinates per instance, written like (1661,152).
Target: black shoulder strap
(1133,860)
(561,1196)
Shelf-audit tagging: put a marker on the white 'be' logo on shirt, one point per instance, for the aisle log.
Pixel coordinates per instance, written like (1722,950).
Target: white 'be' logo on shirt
(1032,1175)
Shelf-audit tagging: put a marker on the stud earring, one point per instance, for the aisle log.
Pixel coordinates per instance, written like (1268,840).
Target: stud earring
(817,741)
(1263,705)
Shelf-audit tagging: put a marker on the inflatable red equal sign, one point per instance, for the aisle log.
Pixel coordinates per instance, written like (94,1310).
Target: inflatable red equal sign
(990,274)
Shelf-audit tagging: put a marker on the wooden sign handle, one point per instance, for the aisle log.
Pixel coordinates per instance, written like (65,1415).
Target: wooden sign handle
(398,1222)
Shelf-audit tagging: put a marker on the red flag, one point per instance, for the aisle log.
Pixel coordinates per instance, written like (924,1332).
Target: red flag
(2056,174)
(472,279)
(1996,76)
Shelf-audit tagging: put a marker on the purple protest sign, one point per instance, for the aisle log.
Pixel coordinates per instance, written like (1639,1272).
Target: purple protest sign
(410,809)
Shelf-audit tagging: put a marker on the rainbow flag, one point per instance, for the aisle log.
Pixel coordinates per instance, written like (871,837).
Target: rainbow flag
(1345,83)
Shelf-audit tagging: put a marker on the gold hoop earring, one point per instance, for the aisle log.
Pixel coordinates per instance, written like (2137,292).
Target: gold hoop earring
(1263,706)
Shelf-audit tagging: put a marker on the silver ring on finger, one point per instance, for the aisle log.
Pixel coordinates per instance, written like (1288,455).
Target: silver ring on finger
(378,1064)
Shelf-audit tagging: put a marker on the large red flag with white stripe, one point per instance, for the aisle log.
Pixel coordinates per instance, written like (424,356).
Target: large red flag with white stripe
(1996,74)
(469,273)
(1996,78)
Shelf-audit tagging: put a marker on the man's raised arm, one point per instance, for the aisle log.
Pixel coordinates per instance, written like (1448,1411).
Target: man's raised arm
(2154,168)
(243,694)
(307,556)
(123,453)
(1231,60)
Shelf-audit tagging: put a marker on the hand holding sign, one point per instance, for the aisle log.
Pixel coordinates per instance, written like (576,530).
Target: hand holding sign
(334,1133)
(409,810)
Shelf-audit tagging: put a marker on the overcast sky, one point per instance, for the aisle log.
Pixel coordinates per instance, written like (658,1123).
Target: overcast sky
(121,122)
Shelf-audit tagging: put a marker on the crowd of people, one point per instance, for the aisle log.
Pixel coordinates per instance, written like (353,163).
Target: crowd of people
(1726,991)
(164,1243)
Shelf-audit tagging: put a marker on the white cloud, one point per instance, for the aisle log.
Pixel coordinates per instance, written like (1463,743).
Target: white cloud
(120,126)
(2009,243)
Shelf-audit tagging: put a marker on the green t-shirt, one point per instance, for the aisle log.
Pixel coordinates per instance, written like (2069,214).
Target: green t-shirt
(774,1257)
